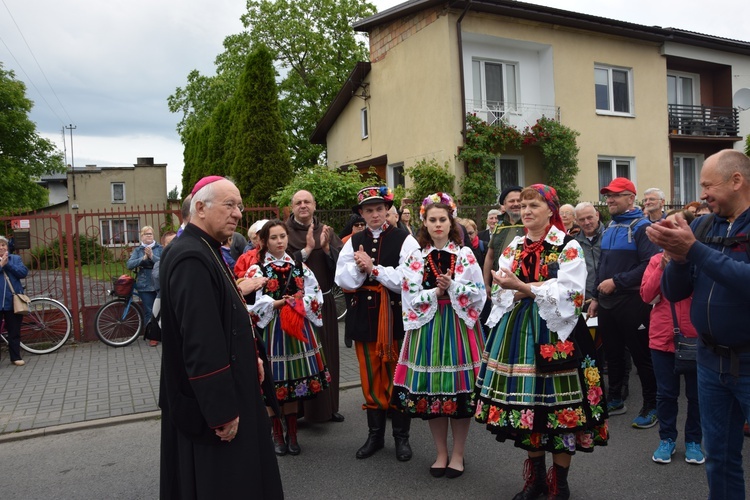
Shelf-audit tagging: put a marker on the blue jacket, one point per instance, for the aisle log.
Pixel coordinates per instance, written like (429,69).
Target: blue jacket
(626,251)
(14,270)
(143,281)
(718,278)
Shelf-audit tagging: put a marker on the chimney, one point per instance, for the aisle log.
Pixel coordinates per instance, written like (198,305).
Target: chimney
(145,162)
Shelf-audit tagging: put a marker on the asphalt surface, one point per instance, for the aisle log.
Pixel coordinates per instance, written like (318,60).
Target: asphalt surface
(91,411)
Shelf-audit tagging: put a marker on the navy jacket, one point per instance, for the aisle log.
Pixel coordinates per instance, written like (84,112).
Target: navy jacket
(718,278)
(626,251)
(14,270)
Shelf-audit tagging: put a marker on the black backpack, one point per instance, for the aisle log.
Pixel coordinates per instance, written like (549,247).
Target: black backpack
(704,227)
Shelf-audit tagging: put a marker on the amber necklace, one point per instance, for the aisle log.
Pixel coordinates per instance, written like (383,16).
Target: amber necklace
(435,269)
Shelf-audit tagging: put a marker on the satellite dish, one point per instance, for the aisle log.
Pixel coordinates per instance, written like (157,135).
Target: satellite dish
(742,99)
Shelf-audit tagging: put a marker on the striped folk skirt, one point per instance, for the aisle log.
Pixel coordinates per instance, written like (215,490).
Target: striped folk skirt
(437,368)
(298,368)
(556,410)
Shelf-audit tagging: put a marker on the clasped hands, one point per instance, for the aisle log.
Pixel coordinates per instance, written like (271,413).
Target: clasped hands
(363,260)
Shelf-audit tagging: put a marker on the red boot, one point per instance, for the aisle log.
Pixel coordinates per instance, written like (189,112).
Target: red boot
(279,446)
(291,434)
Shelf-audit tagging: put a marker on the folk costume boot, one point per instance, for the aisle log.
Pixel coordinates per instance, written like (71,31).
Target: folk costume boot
(535,474)
(557,482)
(401,424)
(376,436)
(279,446)
(291,434)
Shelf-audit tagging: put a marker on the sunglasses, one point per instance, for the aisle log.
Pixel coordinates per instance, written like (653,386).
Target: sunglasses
(359,224)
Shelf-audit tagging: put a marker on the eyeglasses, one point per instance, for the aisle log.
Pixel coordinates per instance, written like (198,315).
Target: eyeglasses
(616,195)
(232,205)
(359,224)
(405,213)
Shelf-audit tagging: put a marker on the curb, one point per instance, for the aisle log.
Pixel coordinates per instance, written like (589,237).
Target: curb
(78,426)
(103,422)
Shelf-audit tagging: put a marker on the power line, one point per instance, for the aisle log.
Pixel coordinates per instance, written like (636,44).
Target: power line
(38,66)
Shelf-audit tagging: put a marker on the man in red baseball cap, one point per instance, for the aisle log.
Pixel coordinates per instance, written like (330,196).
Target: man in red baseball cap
(623,316)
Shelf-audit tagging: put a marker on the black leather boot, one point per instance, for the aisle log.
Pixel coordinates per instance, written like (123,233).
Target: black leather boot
(279,446)
(376,437)
(557,481)
(401,424)
(291,434)
(534,472)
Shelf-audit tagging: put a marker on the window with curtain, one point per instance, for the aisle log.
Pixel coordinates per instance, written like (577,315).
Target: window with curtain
(494,84)
(609,167)
(612,89)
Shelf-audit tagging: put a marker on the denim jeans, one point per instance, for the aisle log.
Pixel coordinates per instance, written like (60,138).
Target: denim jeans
(667,394)
(147,301)
(725,405)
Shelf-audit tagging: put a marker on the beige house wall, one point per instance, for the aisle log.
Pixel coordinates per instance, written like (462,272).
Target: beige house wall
(422,80)
(145,186)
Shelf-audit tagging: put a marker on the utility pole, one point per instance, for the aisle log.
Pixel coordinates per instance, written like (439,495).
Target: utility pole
(71,127)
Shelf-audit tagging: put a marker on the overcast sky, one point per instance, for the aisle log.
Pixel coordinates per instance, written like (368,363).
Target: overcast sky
(107,68)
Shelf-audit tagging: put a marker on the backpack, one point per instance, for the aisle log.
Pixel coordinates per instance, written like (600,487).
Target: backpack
(152,330)
(704,227)
(630,227)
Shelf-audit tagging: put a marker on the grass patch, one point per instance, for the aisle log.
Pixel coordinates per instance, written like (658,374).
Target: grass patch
(104,272)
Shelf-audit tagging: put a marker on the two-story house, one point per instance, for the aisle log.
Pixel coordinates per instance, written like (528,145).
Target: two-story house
(649,103)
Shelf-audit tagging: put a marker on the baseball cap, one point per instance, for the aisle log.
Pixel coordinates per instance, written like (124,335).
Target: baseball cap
(618,185)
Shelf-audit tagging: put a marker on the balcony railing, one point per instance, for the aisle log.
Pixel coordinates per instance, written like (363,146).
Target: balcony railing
(703,120)
(518,115)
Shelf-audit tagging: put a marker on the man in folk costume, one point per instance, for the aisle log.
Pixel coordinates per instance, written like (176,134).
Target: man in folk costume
(215,433)
(318,247)
(368,264)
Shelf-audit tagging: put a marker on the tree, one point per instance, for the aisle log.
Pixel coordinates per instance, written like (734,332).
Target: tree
(261,159)
(24,155)
(315,48)
(331,188)
(173,194)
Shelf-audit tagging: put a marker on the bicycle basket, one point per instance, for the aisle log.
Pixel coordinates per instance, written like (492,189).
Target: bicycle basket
(123,286)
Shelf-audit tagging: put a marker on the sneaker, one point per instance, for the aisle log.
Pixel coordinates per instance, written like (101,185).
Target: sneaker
(645,419)
(663,454)
(693,453)
(616,407)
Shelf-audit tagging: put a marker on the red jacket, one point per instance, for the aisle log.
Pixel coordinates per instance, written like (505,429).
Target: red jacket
(244,262)
(661,330)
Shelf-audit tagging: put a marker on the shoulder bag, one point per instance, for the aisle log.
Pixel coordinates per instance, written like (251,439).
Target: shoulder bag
(20,301)
(685,348)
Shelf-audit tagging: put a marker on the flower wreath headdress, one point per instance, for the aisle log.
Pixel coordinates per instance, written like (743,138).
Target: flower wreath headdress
(443,198)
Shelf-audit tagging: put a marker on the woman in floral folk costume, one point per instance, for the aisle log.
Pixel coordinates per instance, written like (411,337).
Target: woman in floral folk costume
(539,384)
(288,309)
(442,295)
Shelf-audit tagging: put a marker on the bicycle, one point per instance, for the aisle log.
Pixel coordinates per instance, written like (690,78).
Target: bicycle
(119,322)
(46,328)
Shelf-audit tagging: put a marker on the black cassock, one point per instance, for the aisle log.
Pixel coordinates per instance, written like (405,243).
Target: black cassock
(209,377)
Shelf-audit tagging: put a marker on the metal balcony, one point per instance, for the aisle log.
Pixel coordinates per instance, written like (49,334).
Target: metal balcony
(712,121)
(518,115)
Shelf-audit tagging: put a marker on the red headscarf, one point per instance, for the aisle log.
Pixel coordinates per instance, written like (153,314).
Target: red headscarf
(553,202)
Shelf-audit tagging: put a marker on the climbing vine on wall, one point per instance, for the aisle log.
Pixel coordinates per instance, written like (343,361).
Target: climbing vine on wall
(485,142)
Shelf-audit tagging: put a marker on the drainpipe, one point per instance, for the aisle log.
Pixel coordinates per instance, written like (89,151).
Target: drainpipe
(461,67)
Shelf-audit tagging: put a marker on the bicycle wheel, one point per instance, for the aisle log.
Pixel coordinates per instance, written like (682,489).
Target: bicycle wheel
(47,326)
(118,322)
(338,296)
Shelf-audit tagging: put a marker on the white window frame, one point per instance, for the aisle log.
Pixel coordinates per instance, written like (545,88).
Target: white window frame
(520,173)
(391,177)
(610,91)
(132,230)
(683,199)
(613,161)
(112,190)
(364,123)
(508,104)
(695,78)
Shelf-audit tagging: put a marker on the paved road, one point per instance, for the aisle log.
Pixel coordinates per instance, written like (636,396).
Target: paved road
(122,462)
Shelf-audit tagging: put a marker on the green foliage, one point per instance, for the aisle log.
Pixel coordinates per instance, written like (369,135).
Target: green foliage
(399,192)
(428,177)
(484,143)
(331,188)
(173,194)
(747,145)
(261,159)
(91,252)
(24,155)
(311,40)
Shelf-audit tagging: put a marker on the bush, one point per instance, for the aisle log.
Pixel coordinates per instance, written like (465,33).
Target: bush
(428,177)
(331,188)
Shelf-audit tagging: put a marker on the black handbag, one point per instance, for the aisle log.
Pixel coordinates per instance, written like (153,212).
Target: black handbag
(685,349)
